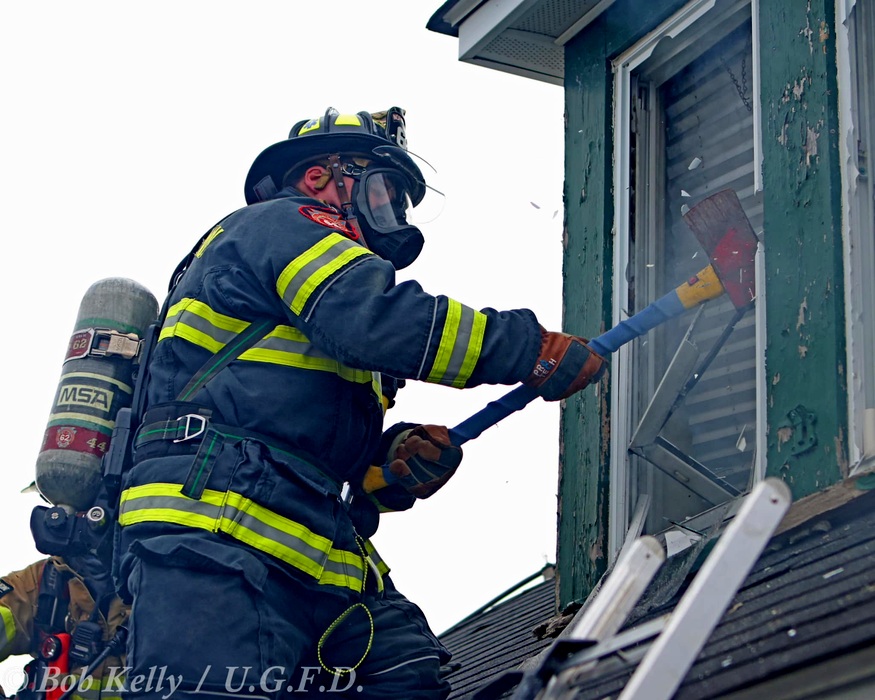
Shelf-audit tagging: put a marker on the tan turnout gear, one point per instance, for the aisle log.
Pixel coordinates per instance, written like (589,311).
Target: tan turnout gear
(19,594)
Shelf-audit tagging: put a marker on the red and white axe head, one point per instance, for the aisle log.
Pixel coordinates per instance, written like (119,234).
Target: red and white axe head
(724,231)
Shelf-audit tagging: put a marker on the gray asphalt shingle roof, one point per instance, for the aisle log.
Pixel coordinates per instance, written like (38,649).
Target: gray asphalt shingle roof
(809,600)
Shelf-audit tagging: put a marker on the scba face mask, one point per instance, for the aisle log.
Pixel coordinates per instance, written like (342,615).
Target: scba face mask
(382,204)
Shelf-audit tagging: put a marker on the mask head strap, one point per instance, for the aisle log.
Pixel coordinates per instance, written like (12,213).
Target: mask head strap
(335,168)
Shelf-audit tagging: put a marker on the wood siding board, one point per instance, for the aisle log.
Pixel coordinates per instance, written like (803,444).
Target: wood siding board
(583,487)
(805,353)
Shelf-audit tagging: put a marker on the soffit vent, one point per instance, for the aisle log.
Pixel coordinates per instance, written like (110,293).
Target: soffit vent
(524,37)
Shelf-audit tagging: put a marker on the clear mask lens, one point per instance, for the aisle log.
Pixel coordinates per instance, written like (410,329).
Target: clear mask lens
(387,199)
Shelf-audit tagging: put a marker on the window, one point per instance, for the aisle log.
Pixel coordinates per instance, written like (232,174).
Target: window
(684,129)
(856,40)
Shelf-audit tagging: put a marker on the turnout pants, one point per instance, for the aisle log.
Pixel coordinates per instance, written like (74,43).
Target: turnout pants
(215,619)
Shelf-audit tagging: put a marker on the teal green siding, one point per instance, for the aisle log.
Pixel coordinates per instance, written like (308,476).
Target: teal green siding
(583,483)
(587,271)
(805,355)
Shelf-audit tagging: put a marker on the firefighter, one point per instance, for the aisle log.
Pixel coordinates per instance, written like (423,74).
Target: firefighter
(64,616)
(245,518)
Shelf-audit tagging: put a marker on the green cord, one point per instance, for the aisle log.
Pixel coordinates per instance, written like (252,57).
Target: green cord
(334,625)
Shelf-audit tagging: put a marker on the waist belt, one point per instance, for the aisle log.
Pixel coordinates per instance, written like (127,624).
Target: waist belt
(177,424)
(183,429)
(179,429)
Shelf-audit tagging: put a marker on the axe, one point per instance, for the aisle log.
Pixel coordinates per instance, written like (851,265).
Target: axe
(724,232)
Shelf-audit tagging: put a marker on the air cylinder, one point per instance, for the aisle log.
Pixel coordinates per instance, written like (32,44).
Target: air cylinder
(96,381)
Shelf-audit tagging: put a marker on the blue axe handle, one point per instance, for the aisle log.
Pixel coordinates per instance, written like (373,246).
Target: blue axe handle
(660,311)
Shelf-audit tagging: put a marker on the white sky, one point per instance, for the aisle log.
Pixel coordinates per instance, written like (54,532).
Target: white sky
(127,131)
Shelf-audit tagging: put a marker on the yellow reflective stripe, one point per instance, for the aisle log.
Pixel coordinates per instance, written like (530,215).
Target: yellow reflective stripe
(347,120)
(338,576)
(306,272)
(106,688)
(248,522)
(209,239)
(278,357)
(310,126)
(192,335)
(275,520)
(286,345)
(8,625)
(169,515)
(96,694)
(202,514)
(472,352)
(376,558)
(460,345)
(448,340)
(214,318)
(269,546)
(377,387)
(197,323)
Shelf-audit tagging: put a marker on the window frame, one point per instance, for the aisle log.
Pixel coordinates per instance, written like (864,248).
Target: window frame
(624,67)
(859,250)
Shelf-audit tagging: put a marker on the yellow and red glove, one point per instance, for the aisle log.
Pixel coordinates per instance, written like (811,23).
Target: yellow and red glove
(565,365)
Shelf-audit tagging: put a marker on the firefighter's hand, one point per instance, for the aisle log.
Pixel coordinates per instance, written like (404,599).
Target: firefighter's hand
(565,366)
(423,460)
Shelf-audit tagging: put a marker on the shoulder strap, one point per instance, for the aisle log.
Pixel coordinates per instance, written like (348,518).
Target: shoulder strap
(241,343)
(52,600)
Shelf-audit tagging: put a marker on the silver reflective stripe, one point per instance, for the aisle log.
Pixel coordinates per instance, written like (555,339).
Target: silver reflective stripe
(221,336)
(197,323)
(460,345)
(286,345)
(459,361)
(247,522)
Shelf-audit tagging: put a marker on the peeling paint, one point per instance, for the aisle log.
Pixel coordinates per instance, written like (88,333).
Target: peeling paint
(785,434)
(824,34)
(807,31)
(803,351)
(798,88)
(800,319)
(595,550)
(841,457)
(776,378)
(810,147)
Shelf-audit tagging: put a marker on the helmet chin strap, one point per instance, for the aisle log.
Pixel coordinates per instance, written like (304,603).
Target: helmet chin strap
(334,166)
